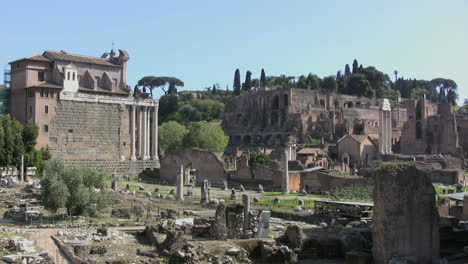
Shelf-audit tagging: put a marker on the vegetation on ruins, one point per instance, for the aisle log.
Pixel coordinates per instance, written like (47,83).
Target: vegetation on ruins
(206,136)
(81,190)
(260,158)
(362,81)
(361,193)
(16,140)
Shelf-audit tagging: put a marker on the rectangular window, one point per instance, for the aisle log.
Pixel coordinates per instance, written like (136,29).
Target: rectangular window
(46,128)
(46,109)
(40,76)
(46,92)
(68,75)
(42,92)
(30,109)
(73,76)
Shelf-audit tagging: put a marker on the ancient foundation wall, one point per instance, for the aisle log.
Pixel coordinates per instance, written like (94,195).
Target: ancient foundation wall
(206,164)
(322,182)
(256,174)
(88,131)
(129,168)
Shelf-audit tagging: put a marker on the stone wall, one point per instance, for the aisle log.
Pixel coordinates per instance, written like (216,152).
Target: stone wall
(252,176)
(406,220)
(87,131)
(206,165)
(121,167)
(317,181)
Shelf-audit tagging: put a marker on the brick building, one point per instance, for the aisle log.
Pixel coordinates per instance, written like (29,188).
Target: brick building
(281,116)
(85,110)
(434,129)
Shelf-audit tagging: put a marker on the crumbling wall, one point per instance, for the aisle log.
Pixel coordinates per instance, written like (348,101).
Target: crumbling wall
(207,164)
(252,176)
(405,221)
(321,182)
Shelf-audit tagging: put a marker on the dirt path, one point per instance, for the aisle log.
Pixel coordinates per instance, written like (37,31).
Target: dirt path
(43,241)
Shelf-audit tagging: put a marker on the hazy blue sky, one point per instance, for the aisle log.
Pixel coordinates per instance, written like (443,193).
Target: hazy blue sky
(203,42)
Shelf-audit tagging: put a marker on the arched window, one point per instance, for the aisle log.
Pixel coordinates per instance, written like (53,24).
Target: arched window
(285,100)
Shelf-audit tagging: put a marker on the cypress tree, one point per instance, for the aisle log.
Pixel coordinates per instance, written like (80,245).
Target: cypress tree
(355,66)
(214,89)
(263,79)
(347,70)
(237,82)
(248,81)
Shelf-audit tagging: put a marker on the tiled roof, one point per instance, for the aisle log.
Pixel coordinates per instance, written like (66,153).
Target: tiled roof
(307,151)
(357,138)
(64,56)
(34,58)
(45,85)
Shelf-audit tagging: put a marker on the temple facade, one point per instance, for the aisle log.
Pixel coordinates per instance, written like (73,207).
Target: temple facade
(85,110)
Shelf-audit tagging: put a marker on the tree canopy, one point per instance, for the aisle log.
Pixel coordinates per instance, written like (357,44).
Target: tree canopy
(171,136)
(206,136)
(151,82)
(17,140)
(82,190)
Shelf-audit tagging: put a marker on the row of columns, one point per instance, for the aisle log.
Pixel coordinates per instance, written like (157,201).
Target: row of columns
(146,146)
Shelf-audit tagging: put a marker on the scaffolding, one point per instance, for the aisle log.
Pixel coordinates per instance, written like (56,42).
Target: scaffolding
(7,76)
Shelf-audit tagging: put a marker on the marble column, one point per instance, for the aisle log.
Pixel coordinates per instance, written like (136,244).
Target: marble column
(180,184)
(148,127)
(285,181)
(154,144)
(132,132)
(144,119)
(140,132)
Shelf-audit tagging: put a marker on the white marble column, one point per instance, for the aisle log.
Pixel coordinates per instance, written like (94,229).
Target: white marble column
(144,120)
(148,132)
(132,132)
(154,144)
(285,180)
(140,132)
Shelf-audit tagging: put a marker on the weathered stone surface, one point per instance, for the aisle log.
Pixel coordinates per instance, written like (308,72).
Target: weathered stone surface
(264,224)
(219,230)
(405,222)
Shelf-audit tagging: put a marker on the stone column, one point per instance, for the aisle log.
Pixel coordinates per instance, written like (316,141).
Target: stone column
(144,137)
(385,131)
(140,132)
(154,144)
(148,133)
(246,202)
(22,176)
(180,184)
(285,181)
(132,131)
